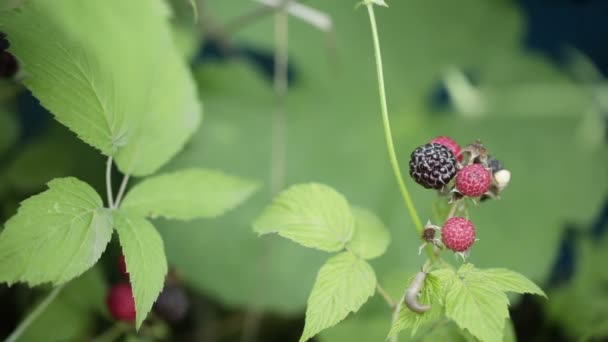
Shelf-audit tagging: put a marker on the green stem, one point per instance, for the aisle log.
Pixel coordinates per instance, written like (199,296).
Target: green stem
(112,334)
(387,130)
(387,297)
(33,315)
(121,191)
(109,182)
(395,316)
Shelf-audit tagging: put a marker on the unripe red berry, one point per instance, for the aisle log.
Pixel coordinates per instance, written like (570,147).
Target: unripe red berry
(120,303)
(458,234)
(450,144)
(473,180)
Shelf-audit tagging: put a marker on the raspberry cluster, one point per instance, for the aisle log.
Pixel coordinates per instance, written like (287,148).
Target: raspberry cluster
(459,173)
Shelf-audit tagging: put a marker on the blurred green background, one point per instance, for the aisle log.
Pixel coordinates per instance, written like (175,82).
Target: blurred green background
(452,68)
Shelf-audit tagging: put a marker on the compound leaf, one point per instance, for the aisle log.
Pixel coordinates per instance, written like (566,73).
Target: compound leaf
(145,258)
(313,215)
(370,238)
(343,284)
(109,72)
(56,235)
(188,194)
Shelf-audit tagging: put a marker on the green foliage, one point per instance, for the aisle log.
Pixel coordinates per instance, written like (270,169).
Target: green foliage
(370,238)
(145,258)
(56,235)
(475,299)
(70,316)
(581,306)
(343,285)
(188,194)
(8,131)
(313,215)
(430,294)
(101,77)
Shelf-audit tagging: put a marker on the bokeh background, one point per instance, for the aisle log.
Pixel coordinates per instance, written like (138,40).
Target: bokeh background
(526,77)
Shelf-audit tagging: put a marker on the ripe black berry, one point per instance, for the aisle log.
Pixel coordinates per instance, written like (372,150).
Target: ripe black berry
(432,165)
(172,303)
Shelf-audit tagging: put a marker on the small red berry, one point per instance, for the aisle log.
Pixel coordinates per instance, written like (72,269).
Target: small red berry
(473,180)
(120,303)
(122,265)
(458,234)
(450,144)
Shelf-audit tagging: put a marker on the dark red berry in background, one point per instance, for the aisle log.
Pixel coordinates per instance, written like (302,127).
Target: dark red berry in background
(8,65)
(450,144)
(473,180)
(172,303)
(120,303)
(122,265)
(458,234)
(432,165)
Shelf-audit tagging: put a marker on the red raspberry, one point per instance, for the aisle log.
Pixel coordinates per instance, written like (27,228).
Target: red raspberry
(122,265)
(120,303)
(458,234)
(473,180)
(450,144)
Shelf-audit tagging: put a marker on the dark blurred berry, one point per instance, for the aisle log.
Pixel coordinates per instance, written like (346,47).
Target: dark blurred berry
(494,164)
(3,42)
(172,304)
(8,65)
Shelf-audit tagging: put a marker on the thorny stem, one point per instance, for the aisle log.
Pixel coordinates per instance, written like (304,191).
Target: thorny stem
(109,182)
(387,130)
(33,315)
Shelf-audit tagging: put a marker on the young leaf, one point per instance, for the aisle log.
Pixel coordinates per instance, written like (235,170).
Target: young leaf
(110,73)
(509,281)
(144,254)
(188,194)
(313,215)
(370,238)
(56,235)
(343,284)
(476,304)
(430,294)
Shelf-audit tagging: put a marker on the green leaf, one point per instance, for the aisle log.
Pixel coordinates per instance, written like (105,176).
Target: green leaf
(509,281)
(476,305)
(145,258)
(313,215)
(188,194)
(430,294)
(56,235)
(110,73)
(370,238)
(343,284)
